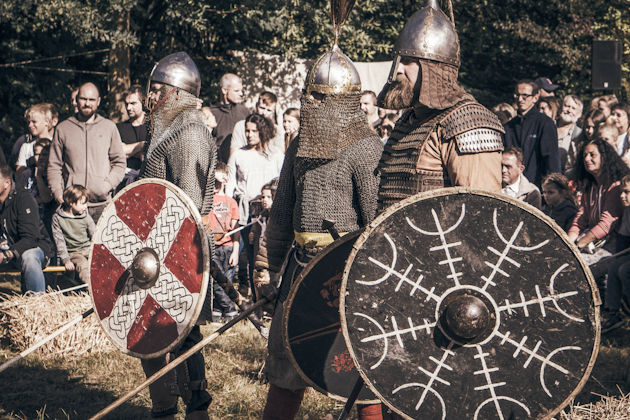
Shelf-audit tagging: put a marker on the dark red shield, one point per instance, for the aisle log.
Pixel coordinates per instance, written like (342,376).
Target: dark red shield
(312,330)
(155,214)
(466,304)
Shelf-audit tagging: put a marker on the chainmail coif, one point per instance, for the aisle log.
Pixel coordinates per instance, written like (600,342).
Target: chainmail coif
(329,126)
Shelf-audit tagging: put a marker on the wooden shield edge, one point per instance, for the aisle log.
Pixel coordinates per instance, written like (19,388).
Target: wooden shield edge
(467,190)
(285,318)
(205,258)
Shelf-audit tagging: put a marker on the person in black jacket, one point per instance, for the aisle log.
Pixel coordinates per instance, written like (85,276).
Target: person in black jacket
(534,133)
(23,238)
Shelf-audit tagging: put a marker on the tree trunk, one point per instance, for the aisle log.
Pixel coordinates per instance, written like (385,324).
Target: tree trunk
(119,79)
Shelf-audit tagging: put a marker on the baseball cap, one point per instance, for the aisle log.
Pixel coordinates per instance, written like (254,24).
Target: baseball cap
(545,83)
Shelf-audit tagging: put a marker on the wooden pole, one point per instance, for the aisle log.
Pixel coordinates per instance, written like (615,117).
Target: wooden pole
(172,365)
(45,340)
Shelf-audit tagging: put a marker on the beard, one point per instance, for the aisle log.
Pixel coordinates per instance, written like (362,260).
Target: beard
(399,94)
(565,119)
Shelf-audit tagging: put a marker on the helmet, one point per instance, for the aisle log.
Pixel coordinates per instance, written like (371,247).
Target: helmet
(428,34)
(178,70)
(333,73)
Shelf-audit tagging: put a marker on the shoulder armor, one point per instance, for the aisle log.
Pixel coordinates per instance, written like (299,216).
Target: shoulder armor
(474,128)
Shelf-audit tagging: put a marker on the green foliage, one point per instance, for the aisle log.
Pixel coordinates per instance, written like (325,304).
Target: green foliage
(501,41)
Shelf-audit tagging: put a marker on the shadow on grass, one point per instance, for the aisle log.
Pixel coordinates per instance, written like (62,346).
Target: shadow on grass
(40,392)
(611,373)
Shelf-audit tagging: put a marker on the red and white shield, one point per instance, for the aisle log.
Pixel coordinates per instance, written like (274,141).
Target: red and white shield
(155,214)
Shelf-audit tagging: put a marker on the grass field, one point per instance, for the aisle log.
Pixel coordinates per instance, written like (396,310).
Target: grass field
(75,388)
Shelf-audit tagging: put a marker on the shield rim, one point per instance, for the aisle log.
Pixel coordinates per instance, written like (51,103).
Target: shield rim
(475,191)
(352,236)
(205,250)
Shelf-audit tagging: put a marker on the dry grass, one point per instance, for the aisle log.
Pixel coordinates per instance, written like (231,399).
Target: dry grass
(58,387)
(25,320)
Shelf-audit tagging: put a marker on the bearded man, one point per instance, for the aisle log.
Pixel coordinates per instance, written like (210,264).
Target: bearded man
(328,173)
(568,130)
(444,138)
(180,150)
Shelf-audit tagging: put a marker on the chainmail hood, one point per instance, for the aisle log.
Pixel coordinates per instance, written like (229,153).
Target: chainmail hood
(162,118)
(330,126)
(439,88)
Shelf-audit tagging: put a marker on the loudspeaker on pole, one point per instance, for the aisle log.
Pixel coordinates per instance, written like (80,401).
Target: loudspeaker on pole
(607,56)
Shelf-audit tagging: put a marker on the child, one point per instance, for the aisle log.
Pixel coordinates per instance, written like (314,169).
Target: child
(222,219)
(618,283)
(72,229)
(559,200)
(267,195)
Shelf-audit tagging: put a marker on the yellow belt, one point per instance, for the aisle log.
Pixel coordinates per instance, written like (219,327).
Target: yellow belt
(314,239)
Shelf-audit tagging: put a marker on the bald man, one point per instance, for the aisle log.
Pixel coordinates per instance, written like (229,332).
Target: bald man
(86,150)
(227,112)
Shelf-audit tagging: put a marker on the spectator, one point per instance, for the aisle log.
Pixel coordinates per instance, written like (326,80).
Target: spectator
(74,105)
(23,241)
(368,105)
(568,130)
(545,86)
(133,132)
(505,112)
(598,171)
(208,118)
(609,133)
(86,150)
(260,208)
(227,112)
(222,219)
(387,126)
(604,103)
(560,203)
(513,182)
(534,133)
(618,281)
(254,165)
(265,106)
(72,229)
(620,115)
(549,107)
(42,119)
(291,125)
(591,121)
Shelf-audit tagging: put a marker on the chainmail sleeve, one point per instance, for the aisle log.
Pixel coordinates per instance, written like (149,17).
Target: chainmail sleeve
(279,233)
(366,177)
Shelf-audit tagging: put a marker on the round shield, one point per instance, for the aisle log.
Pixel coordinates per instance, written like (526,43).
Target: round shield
(149,268)
(466,304)
(312,329)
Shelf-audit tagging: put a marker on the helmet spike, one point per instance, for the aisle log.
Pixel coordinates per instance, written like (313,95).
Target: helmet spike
(339,12)
(433,4)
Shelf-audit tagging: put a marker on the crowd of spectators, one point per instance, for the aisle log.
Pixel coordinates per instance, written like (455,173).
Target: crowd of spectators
(580,160)
(562,156)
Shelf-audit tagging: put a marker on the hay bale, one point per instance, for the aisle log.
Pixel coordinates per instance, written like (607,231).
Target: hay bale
(25,320)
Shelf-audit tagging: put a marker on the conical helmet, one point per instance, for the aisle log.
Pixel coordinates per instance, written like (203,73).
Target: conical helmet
(333,73)
(178,70)
(428,34)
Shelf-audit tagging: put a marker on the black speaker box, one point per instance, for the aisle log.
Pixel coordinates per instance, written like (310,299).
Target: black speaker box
(607,57)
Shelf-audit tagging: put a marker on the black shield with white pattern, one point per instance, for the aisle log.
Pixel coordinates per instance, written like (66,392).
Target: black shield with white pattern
(465,304)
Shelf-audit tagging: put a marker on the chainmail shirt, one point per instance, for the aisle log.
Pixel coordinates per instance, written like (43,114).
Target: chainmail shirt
(312,190)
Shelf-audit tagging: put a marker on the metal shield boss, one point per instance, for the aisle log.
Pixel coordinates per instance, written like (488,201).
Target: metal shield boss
(149,268)
(312,328)
(463,304)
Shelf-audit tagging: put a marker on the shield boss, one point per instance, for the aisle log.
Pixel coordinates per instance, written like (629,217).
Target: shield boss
(149,268)
(465,304)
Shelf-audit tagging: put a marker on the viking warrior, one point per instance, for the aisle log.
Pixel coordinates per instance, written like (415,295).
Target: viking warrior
(444,138)
(180,150)
(328,173)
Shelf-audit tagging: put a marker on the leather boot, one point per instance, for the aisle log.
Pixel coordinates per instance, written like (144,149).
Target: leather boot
(282,404)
